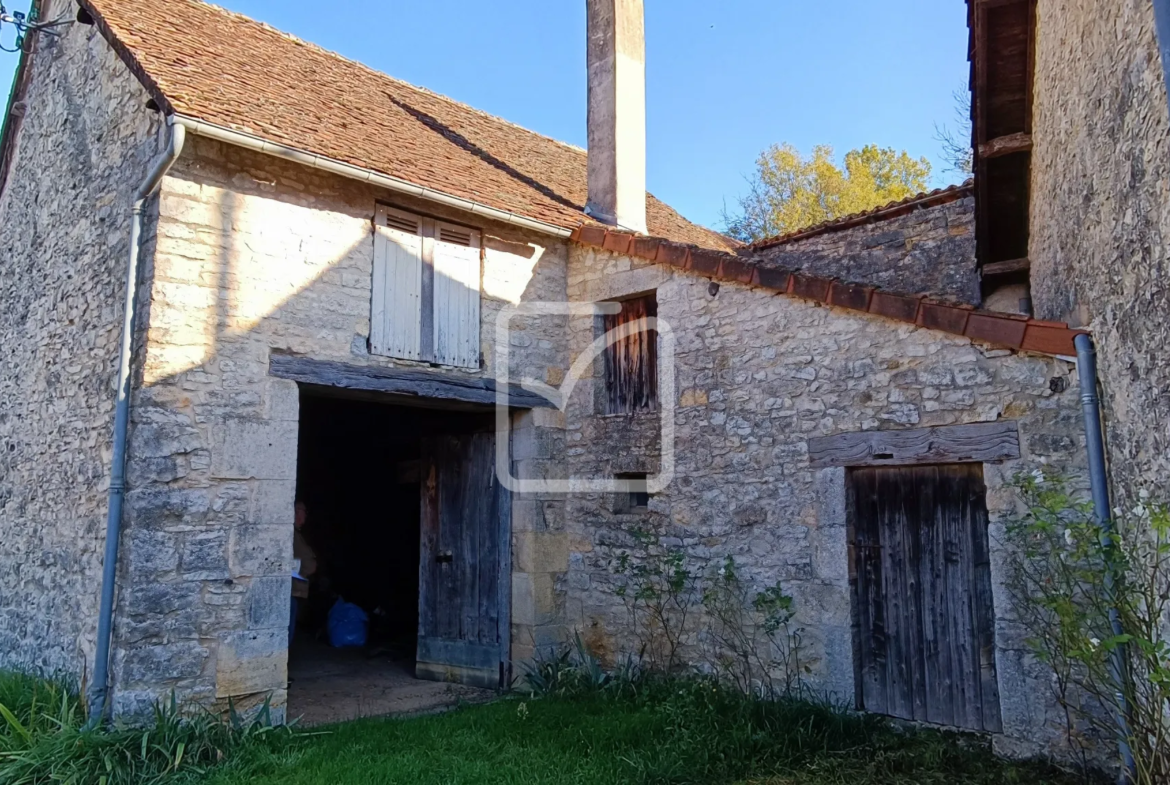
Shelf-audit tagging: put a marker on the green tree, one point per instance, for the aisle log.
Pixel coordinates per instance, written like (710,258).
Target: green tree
(789,191)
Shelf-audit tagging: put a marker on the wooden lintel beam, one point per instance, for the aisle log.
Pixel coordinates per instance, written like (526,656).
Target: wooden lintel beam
(408,383)
(1006,145)
(1007,266)
(974,443)
(994,3)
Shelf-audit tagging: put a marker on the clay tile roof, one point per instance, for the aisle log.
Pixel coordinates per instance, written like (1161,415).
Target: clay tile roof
(1009,330)
(933,198)
(210,64)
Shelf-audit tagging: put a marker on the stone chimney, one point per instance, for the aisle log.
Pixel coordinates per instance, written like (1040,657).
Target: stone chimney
(617,113)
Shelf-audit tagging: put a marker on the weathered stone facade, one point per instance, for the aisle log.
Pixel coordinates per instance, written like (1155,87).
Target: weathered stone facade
(1100,208)
(255,256)
(251,256)
(85,144)
(757,375)
(929,251)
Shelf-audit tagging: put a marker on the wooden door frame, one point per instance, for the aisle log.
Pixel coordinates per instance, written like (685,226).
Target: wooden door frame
(982,443)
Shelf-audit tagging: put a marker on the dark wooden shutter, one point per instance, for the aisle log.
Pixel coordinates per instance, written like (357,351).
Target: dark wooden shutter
(463,628)
(924,618)
(631,364)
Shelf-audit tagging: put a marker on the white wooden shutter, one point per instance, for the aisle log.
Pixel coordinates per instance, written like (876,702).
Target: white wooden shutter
(457,292)
(396,305)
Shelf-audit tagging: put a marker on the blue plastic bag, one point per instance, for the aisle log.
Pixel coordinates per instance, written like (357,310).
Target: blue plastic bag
(346,625)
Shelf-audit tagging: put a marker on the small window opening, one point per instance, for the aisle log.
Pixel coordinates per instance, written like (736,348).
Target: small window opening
(631,362)
(635,498)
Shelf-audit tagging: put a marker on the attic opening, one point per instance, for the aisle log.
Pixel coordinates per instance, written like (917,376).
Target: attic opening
(398,543)
(631,360)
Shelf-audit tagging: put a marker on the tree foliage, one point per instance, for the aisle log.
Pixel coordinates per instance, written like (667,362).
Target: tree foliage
(789,191)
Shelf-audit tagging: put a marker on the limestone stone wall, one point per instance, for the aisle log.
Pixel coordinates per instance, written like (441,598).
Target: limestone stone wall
(929,251)
(1100,208)
(757,375)
(256,256)
(85,145)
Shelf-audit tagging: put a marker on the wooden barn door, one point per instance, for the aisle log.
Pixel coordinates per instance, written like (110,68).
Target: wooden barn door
(924,620)
(464,566)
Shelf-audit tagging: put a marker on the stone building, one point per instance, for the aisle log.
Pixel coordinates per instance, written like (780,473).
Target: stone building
(1075,135)
(361,295)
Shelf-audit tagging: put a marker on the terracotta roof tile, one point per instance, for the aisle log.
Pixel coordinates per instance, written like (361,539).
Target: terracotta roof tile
(933,198)
(939,316)
(1012,330)
(853,296)
(204,62)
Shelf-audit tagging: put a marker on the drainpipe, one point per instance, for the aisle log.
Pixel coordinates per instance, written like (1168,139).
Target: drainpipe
(100,692)
(1162,26)
(1099,484)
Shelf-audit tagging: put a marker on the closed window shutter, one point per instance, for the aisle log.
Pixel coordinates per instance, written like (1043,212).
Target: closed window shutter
(457,292)
(631,363)
(396,303)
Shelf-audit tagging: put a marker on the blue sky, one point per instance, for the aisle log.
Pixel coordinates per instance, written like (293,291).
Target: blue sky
(724,79)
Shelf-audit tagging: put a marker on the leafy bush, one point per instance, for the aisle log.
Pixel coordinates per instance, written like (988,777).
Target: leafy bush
(752,637)
(43,739)
(1073,582)
(711,617)
(662,592)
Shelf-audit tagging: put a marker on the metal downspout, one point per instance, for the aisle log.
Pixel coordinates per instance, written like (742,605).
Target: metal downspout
(100,691)
(1099,484)
(1162,26)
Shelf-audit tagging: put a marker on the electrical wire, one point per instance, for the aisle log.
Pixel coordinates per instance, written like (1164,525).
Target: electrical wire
(25,25)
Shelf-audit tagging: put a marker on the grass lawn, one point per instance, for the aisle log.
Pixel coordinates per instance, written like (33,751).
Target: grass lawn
(680,738)
(587,731)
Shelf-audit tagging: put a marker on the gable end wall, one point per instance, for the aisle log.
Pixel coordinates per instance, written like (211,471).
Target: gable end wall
(84,145)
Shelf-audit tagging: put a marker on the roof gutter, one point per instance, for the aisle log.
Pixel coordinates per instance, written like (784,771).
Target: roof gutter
(306,158)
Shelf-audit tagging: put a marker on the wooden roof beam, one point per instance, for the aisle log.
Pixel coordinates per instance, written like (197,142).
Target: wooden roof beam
(1007,266)
(1006,145)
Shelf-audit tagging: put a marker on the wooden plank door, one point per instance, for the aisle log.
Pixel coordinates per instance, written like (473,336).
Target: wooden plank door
(464,568)
(921,573)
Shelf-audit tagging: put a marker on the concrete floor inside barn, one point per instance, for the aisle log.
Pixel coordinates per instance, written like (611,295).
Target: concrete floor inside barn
(328,685)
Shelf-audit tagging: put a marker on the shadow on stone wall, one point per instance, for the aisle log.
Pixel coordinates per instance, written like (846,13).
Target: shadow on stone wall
(244,265)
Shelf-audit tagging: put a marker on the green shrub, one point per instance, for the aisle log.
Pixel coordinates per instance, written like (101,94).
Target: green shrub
(43,739)
(1071,581)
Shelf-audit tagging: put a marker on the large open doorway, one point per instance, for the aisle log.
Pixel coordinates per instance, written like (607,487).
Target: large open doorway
(400,512)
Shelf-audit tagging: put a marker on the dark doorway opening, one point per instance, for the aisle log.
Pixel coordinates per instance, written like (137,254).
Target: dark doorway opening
(358,478)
